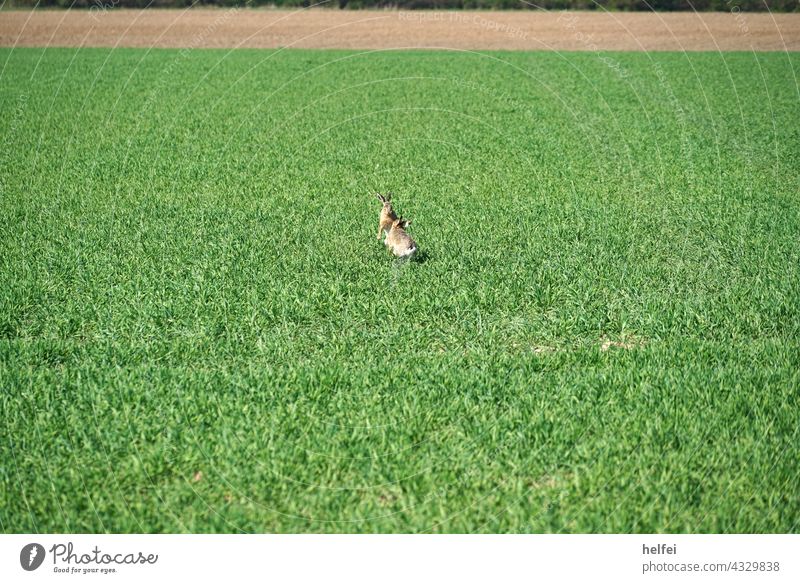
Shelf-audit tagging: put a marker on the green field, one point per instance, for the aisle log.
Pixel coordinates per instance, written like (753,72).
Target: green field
(199,331)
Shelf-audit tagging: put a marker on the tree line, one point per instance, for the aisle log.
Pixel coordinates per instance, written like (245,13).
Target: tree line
(622,5)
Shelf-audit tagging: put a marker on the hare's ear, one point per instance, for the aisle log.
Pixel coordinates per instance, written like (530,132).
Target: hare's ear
(405,222)
(380,197)
(388,196)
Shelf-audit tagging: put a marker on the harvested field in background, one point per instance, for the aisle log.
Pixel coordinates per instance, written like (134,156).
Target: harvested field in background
(324,29)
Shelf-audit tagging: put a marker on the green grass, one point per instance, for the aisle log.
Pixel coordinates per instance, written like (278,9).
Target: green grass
(190,282)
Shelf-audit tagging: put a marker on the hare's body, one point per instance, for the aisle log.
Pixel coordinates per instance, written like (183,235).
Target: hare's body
(387,217)
(398,241)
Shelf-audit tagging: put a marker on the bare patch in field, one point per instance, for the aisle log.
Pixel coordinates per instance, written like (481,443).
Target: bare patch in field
(544,349)
(387,499)
(550,481)
(625,343)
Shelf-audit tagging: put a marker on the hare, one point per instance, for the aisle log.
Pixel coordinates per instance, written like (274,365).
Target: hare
(398,241)
(388,215)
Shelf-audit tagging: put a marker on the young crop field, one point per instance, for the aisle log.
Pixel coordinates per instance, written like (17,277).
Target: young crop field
(199,331)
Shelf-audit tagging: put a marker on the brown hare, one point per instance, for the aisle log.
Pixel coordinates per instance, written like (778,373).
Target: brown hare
(398,241)
(388,215)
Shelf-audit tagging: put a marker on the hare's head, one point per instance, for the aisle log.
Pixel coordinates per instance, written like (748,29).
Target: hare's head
(400,223)
(386,201)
